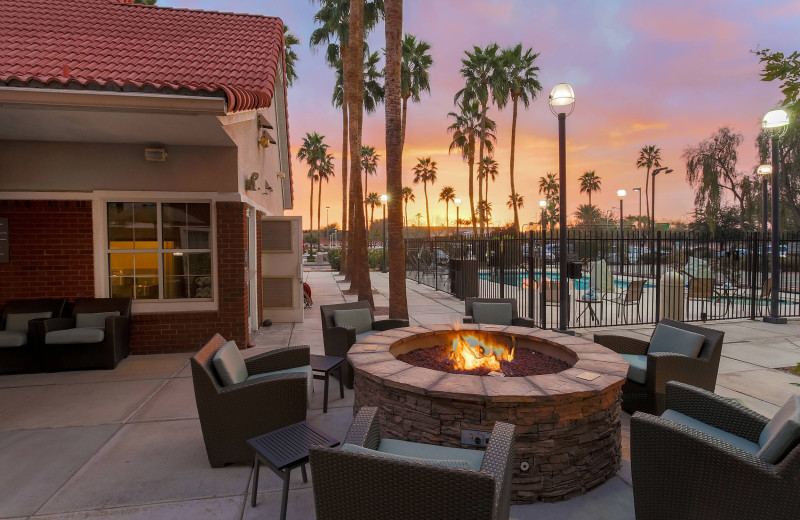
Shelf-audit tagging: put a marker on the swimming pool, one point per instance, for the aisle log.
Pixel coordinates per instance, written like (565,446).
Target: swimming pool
(521,280)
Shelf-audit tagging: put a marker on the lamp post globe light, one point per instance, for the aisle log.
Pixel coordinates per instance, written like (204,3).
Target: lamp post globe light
(763,171)
(775,123)
(543,205)
(562,103)
(384,198)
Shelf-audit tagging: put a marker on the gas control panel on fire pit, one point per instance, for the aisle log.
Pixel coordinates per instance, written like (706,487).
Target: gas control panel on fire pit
(475,438)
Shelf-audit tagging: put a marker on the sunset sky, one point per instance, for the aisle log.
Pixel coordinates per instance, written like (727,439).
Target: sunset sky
(666,73)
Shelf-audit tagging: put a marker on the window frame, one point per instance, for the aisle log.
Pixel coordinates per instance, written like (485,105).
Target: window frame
(162,304)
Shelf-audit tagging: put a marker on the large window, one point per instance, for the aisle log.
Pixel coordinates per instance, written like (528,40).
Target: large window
(160,250)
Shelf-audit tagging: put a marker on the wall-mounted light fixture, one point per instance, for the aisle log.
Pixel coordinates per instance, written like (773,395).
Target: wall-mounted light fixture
(264,138)
(250,184)
(155,154)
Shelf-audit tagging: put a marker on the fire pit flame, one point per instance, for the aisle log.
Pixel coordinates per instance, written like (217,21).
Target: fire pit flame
(469,352)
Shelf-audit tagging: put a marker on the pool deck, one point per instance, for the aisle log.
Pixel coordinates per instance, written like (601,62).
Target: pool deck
(126,444)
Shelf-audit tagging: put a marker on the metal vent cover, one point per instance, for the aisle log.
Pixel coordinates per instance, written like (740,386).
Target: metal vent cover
(276,235)
(278,293)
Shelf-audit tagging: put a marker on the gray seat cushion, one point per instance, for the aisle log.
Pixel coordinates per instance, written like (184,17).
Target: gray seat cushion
(782,433)
(93,319)
(305,369)
(365,335)
(492,313)
(734,440)
(441,463)
(675,340)
(637,372)
(13,338)
(229,364)
(430,451)
(360,319)
(75,336)
(19,321)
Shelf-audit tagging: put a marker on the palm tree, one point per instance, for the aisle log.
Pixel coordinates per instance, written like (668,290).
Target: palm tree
(548,186)
(289,41)
(488,171)
(482,72)
(521,84)
(590,183)
(588,215)
(425,172)
(398,304)
(467,126)
(447,195)
(313,152)
(408,196)
(369,163)
(486,208)
(373,89)
(325,171)
(516,200)
(372,200)
(413,73)
(649,157)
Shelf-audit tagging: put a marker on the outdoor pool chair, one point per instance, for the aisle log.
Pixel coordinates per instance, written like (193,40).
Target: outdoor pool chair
(630,297)
(20,351)
(496,311)
(710,458)
(96,335)
(700,290)
(344,324)
(390,479)
(240,399)
(676,352)
(765,297)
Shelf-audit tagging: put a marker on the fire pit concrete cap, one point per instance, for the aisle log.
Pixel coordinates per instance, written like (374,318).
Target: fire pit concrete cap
(373,359)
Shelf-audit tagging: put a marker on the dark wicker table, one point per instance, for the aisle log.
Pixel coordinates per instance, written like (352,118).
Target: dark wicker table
(327,364)
(283,450)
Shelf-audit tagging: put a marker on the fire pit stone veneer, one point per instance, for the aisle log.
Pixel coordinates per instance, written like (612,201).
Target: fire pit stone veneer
(568,428)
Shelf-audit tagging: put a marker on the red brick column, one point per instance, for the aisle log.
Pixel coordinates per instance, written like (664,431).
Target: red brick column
(50,245)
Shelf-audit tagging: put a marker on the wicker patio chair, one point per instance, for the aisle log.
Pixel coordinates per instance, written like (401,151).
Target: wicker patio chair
(681,472)
(229,415)
(356,486)
(338,340)
(516,320)
(96,335)
(20,349)
(666,366)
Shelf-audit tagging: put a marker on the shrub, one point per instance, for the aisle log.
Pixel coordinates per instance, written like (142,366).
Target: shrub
(335,258)
(375,258)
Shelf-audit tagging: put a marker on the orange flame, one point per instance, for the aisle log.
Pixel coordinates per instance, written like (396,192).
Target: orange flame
(470,351)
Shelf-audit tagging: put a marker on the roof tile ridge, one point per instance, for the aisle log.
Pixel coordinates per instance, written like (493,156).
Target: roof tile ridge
(200,11)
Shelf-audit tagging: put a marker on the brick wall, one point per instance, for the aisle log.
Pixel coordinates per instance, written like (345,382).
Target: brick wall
(50,245)
(189,331)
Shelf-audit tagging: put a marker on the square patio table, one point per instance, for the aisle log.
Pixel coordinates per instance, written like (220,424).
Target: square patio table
(326,365)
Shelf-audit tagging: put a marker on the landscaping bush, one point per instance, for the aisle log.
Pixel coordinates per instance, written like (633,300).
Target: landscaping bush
(375,258)
(335,258)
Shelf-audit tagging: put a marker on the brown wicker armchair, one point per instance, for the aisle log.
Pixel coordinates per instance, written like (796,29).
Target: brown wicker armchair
(357,486)
(105,350)
(680,472)
(20,350)
(515,318)
(338,340)
(664,366)
(231,415)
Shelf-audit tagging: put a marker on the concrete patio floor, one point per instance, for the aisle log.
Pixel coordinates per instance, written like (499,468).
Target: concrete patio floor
(126,444)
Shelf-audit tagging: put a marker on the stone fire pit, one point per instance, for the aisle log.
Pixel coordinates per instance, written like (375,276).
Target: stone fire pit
(568,427)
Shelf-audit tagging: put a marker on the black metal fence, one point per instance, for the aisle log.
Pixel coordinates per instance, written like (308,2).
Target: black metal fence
(614,279)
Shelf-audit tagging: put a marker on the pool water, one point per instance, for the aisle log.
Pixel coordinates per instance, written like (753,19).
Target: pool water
(521,280)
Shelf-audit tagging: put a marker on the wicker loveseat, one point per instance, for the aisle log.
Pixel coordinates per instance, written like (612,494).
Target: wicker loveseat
(230,415)
(469,311)
(707,458)
(338,339)
(20,351)
(96,335)
(353,485)
(661,367)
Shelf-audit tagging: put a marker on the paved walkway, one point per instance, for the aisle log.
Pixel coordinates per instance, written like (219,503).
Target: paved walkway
(126,444)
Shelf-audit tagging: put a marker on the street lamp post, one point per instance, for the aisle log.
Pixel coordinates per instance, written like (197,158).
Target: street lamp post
(543,205)
(458,204)
(655,172)
(384,198)
(764,170)
(775,122)
(562,103)
(621,194)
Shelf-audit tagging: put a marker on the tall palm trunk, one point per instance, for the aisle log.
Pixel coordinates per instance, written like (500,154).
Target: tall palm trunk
(647,195)
(346,213)
(471,162)
(311,220)
(371,217)
(406,210)
(319,210)
(427,212)
(480,164)
(404,111)
(366,178)
(511,165)
(447,215)
(355,79)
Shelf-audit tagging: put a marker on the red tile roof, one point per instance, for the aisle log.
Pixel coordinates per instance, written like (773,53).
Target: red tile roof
(116,45)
